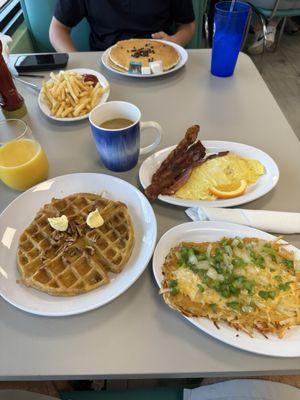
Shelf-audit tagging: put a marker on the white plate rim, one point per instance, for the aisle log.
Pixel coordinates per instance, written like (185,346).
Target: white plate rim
(159,254)
(104,82)
(113,296)
(181,51)
(220,145)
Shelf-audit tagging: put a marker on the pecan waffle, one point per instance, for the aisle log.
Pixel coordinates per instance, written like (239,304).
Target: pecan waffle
(79,259)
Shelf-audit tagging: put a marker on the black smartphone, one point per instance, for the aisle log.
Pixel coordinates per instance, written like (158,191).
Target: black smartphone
(41,62)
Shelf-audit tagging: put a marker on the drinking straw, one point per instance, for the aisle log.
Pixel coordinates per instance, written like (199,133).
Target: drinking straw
(230,15)
(232,5)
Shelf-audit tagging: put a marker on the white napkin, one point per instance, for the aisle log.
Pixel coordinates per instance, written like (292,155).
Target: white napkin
(270,221)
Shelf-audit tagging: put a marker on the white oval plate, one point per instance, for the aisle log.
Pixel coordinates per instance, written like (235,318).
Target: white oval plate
(183,60)
(103,82)
(264,184)
(19,214)
(211,231)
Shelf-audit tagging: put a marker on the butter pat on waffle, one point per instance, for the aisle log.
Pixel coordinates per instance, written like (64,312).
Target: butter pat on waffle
(78,260)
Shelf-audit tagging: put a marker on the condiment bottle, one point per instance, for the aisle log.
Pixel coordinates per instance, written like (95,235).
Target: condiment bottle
(12,103)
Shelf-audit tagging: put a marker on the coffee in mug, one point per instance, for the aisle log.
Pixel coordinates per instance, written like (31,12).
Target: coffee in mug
(116,123)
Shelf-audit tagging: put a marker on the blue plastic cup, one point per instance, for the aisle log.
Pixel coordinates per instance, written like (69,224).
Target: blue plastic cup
(229,29)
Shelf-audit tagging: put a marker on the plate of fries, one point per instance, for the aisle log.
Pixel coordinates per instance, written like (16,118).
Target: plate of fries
(71,95)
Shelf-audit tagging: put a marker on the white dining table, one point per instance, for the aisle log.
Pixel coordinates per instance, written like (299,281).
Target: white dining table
(137,335)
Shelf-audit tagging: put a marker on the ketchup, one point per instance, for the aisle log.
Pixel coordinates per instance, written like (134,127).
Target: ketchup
(11,101)
(91,78)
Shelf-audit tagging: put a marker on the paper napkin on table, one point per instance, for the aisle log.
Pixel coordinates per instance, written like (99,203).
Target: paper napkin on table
(270,221)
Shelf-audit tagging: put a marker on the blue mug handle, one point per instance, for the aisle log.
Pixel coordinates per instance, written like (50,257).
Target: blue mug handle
(152,146)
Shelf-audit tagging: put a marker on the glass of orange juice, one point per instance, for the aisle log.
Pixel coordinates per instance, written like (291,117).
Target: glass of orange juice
(23,162)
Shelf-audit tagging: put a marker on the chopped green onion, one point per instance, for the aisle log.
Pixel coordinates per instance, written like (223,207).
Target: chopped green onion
(263,294)
(225,293)
(277,278)
(201,288)
(248,286)
(173,283)
(184,256)
(267,245)
(238,262)
(284,286)
(174,291)
(235,291)
(201,257)
(213,307)
(287,262)
(218,256)
(272,294)
(224,242)
(267,249)
(257,259)
(239,281)
(233,304)
(192,259)
(267,295)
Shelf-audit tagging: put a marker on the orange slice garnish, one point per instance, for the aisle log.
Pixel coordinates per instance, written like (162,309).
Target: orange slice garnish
(230,190)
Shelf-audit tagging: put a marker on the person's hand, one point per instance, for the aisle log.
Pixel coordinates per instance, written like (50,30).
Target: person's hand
(182,37)
(162,35)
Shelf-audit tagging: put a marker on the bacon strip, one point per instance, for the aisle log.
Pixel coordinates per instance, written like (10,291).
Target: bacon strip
(184,177)
(180,181)
(178,165)
(220,154)
(189,138)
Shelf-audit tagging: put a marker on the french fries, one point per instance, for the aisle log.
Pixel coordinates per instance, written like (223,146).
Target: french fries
(69,94)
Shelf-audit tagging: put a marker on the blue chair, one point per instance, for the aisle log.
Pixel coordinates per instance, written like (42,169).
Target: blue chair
(266,15)
(199,7)
(38,15)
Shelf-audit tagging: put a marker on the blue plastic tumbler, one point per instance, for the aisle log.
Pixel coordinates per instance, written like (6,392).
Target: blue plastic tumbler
(229,27)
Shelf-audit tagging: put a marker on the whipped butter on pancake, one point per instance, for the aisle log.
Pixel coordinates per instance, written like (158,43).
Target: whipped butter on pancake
(145,51)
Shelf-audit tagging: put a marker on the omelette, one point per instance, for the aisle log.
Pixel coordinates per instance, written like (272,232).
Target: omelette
(229,169)
(252,284)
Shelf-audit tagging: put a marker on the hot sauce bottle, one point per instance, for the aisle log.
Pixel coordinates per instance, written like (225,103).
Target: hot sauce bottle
(11,101)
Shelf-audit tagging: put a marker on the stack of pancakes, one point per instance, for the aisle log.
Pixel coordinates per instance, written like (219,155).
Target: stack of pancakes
(144,51)
(79,259)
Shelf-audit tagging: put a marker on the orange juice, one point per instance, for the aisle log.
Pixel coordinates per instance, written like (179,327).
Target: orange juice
(23,163)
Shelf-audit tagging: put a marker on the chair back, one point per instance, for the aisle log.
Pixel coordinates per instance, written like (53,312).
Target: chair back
(38,15)
(199,6)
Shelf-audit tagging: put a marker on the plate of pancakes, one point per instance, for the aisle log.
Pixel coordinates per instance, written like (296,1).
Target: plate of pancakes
(144,51)
(55,269)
